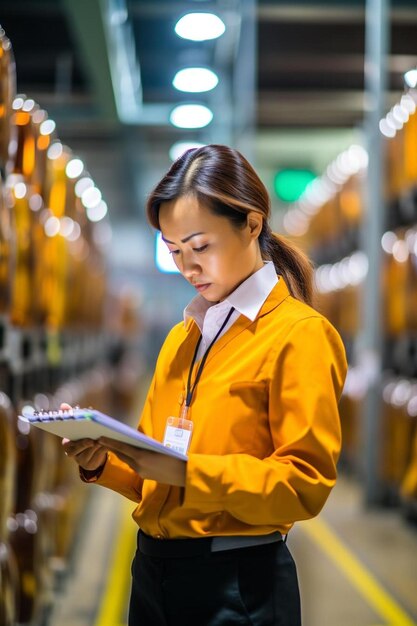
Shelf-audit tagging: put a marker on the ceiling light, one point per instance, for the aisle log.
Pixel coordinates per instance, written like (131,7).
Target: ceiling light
(47,127)
(400,251)
(52,226)
(358,267)
(83,184)
(385,129)
(39,116)
(75,233)
(55,150)
(396,124)
(191,116)
(410,78)
(195,80)
(74,168)
(91,197)
(408,103)
(17,103)
(66,226)
(358,157)
(35,202)
(177,149)
(98,212)
(400,113)
(20,190)
(200,26)
(388,240)
(28,105)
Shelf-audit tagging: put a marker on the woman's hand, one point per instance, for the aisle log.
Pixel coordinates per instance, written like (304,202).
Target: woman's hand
(89,454)
(150,465)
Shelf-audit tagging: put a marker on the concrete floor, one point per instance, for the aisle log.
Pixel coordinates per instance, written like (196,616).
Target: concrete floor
(356,567)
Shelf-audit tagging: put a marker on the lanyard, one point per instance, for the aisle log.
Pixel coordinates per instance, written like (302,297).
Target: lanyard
(191,388)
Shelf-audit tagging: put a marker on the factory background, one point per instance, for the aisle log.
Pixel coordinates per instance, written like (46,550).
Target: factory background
(97,98)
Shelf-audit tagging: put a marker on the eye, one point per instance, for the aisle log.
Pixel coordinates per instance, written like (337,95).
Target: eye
(173,252)
(201,249)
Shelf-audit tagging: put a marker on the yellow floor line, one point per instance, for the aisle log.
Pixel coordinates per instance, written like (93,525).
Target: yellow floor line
(115,592)
(373,592)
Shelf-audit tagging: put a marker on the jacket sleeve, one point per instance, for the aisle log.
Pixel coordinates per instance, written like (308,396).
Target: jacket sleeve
(293,482)
(116,474)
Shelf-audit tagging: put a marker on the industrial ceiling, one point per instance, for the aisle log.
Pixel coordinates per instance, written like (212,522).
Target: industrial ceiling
(293,71)
(309,55)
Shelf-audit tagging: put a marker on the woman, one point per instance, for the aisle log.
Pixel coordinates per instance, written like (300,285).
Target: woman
(248,386)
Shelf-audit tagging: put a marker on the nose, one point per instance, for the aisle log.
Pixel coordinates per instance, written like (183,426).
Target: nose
(188,267)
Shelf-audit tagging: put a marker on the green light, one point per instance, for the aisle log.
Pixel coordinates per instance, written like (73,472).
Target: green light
(289,184)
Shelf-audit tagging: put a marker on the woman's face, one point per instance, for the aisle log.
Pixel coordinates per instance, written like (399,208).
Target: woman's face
(211,253)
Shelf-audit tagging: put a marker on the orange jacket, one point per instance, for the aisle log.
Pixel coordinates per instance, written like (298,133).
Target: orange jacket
(266,432)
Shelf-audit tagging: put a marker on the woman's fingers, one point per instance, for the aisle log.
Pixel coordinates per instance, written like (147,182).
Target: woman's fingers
(131,455)
(64,406)
(148,464)
(86,452)
(72,448)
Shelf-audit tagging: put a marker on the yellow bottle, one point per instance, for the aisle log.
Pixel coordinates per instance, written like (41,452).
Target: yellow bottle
(7,93)
(21,293)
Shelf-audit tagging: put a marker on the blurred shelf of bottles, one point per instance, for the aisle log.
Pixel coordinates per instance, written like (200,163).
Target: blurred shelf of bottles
(64,336)
(327,222)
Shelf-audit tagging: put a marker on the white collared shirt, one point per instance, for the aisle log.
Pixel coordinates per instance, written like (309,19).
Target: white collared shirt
(247,300)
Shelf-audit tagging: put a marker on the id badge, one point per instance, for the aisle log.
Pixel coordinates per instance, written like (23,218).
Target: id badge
(178,433)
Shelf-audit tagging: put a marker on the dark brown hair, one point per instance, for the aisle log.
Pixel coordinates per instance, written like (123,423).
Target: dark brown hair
(224,181)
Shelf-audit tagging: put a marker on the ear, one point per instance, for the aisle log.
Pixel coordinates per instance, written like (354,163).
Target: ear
(255,222)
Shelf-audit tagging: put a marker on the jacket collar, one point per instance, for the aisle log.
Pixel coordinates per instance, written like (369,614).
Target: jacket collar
(247,299)
(278,294)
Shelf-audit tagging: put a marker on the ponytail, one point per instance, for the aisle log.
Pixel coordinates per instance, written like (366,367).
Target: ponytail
(290,262)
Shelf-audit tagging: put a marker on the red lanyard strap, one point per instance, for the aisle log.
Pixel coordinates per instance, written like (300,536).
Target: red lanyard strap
(191,388)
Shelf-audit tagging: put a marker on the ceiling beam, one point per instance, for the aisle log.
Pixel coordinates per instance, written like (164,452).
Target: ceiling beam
(108,49)
(327,13)
(290,12)
(303,63)
(312,108)
(85,19)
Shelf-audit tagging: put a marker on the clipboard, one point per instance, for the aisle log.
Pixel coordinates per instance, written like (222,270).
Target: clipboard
(79,423)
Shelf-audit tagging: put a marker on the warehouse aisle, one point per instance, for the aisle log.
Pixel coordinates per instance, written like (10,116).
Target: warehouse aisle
(356,567)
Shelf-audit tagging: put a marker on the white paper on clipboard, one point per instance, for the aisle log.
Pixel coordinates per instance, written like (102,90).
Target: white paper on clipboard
(91,424)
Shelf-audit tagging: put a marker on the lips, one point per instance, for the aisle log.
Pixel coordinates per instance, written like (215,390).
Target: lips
(201,286)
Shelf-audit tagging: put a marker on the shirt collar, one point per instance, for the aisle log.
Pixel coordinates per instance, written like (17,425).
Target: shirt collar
(247,299)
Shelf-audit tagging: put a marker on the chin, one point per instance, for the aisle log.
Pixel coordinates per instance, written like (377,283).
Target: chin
(216,298)
(210,298)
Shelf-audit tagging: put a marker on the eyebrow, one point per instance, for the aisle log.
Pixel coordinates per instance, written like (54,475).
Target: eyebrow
(185,238)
